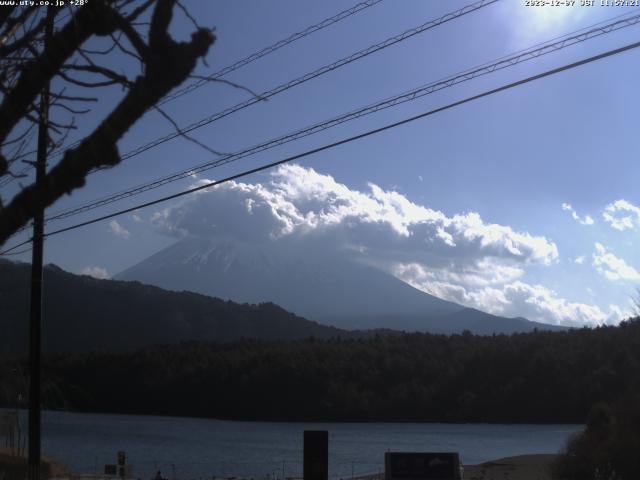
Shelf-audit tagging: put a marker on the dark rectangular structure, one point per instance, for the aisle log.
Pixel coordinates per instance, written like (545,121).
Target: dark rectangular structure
(316,455)
(421,466)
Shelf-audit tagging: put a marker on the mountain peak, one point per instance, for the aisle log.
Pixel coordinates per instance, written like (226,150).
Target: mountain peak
(337,289)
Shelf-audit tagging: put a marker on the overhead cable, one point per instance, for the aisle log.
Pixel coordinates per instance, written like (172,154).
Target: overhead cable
(411,95)
(344,141)
(304,78)
(236,65)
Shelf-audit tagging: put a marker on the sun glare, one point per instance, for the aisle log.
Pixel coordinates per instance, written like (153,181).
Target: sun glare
(531,24)
(550,16)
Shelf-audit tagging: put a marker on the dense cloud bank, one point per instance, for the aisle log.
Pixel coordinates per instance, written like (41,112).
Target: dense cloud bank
(460,258)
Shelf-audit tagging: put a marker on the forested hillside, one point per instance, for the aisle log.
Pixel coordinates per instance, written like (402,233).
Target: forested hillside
(82,313)
(533,377)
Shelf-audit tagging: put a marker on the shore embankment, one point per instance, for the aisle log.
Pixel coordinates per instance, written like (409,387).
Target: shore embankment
(522,467)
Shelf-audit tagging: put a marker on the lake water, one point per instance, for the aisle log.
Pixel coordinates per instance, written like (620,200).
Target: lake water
(193,448)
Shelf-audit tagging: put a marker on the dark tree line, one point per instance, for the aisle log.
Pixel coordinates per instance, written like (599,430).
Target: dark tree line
(608,448)
(533,377)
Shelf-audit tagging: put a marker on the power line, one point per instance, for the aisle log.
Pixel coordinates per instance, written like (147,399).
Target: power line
(9,250)
(286,86)
(5,253)
(306,77)
(271,48)
(368,133)
(314,74)
(504,62)
(237,65)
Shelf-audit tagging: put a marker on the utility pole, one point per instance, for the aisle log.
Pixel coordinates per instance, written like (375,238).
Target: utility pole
(35,321)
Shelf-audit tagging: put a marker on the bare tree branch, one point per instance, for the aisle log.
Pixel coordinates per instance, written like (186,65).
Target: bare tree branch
(77,98)
(139,11)
(186,135)
(167,64)
(123,49)
(12,24)
(101,52)
(81,83)
(231,84)
(69,109)
(105,72)
(94,18)
(25,40)
(187,14)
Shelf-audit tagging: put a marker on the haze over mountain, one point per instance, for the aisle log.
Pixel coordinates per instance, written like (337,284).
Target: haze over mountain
(335,288)
(82,313)
(356,258)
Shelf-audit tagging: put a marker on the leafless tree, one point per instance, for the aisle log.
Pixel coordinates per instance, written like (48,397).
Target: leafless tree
(137,29)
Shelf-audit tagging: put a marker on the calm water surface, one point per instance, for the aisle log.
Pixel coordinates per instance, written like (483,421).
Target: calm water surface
(189,448)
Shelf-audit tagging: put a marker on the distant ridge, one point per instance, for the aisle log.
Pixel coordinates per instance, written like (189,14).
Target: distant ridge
(306,282)
(82,313)
(475,321)
(337,288)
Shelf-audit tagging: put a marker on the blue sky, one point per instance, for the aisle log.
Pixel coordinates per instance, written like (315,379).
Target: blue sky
(547,170)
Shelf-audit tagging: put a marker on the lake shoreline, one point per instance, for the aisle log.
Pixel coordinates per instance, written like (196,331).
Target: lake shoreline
(520,467)
(303,420)
(196,448)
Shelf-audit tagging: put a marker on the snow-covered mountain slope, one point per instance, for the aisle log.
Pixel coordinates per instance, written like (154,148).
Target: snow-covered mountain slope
(336,289)
(303,282)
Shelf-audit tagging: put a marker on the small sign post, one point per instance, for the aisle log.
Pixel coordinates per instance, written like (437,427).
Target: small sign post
(122,458)
(316,455)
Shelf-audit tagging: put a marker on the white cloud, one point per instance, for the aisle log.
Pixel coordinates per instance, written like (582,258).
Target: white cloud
(586,220)
(461,257)
(579,260)
(537,302)
(515,298)
(299,202)
(96,272)
(612,267)
(622,215)
(485,273)
(118,230)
